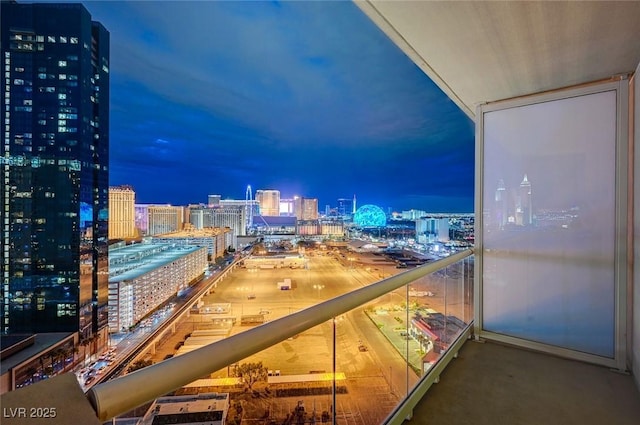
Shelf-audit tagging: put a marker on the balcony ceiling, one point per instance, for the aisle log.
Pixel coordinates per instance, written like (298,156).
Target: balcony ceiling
(479,51)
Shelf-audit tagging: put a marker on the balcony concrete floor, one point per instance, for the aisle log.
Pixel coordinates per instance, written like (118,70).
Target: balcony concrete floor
(494,384)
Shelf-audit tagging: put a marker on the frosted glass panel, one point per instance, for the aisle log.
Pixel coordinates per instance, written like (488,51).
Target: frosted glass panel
(549,222)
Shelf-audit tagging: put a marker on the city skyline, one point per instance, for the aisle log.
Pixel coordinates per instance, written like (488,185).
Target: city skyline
(311,99)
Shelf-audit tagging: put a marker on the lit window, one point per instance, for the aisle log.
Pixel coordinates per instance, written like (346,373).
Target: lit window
(62,63)
(25,46)
(51,39)
(62,96)
(63,39)
(74,40)
(62,76)
(40,38)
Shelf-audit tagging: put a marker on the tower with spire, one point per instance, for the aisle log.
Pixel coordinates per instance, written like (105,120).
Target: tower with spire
(501,214)
(524,215)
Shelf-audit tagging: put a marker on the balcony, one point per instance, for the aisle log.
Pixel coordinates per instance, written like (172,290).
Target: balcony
(490,383)
(386,344)
(501,50)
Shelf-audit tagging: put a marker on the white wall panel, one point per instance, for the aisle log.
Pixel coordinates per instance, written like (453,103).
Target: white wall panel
(550,220)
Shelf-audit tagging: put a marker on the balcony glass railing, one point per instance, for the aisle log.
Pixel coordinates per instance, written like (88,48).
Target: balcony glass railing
(364,357)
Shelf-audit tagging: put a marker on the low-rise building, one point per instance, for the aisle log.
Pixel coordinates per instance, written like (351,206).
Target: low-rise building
(200,409)
(143,276)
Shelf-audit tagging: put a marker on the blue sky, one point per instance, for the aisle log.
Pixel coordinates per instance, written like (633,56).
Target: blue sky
(309,98)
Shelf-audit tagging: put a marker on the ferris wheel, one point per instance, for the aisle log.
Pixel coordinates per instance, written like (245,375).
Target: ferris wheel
(248,201)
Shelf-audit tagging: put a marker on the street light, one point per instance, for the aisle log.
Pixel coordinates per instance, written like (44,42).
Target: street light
(319,288)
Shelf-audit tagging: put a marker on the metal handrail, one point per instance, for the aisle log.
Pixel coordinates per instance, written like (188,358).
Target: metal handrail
(122,394)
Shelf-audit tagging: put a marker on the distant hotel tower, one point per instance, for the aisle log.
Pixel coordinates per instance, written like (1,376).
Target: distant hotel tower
(269,201)
(346,207)
(122,217)
(524,215)
(501,213)
(55,153)
(164,219)
(306,208)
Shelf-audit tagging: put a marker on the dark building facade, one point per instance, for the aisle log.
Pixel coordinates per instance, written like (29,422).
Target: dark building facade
(55,156)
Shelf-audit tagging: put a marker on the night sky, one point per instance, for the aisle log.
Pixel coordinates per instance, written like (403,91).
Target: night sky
(309,98)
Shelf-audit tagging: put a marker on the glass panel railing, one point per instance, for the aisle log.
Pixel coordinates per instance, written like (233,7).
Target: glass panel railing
(352,359)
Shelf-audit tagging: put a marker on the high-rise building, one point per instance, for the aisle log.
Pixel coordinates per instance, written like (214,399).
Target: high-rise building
(55,154)
(524,215)
(142,218)
(164,219)
(122,218)
(430,230)
(233,217)
(250,208)
(287,207)
(500,214)
(309,208)
(345,207)
(269,201)
(306,208)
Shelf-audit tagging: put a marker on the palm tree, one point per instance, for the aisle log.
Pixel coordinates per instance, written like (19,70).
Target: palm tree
(41,358)
(75,350)
(92,342)
(56,355)
(52,357)
(139,364)
(84,342)
(29,373)
(65,352)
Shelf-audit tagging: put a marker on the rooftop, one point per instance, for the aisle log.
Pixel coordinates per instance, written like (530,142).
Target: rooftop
(195,233)
(136,260)
(41,343)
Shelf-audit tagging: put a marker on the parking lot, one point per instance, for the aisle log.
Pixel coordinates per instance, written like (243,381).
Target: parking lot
(371,343)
